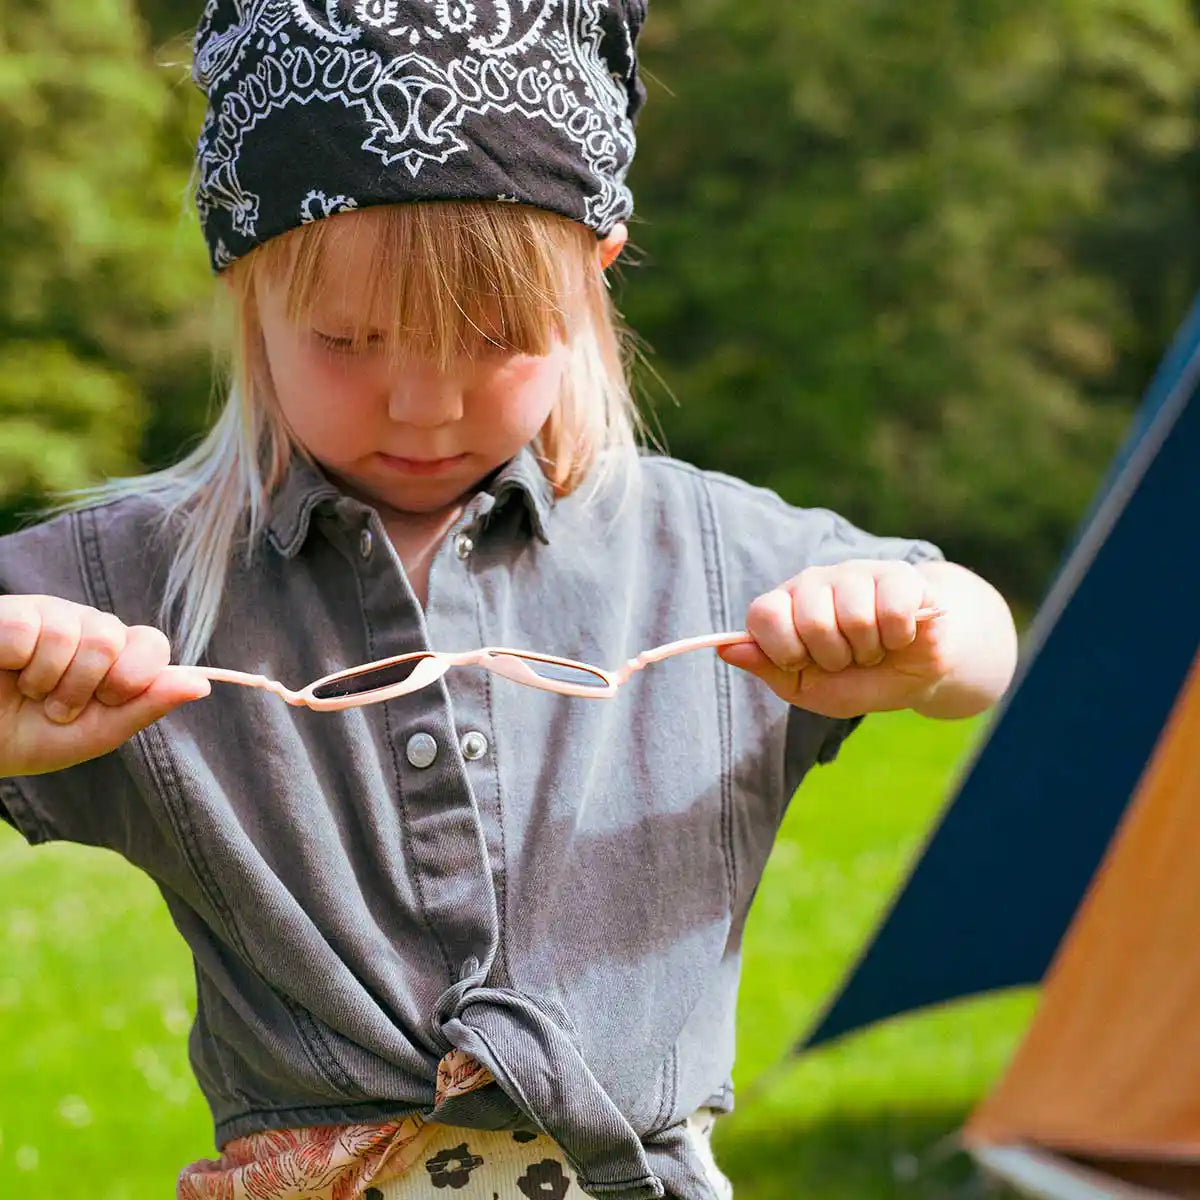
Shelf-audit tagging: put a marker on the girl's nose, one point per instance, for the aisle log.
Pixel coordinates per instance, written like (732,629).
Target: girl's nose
(425,398)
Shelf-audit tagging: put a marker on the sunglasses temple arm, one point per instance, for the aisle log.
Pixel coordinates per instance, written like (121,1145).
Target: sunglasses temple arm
(711,641)
(708,641)
(220,675)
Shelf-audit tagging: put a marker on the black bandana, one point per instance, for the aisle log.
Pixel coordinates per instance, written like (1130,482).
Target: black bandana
(319,107)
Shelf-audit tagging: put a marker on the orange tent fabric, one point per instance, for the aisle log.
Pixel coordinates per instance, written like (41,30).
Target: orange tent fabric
(1110,1066)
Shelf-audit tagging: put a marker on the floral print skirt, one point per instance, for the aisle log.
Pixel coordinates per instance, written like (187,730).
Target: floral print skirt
(473,1165)
(408,1159)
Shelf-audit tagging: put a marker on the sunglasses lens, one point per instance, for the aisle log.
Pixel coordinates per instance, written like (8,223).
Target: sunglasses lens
(562,673)
(358,683)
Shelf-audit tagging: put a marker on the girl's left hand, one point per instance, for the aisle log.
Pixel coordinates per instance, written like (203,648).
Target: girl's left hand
(845,640)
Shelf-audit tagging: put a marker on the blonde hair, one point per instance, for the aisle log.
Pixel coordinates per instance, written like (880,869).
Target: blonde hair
(447,275)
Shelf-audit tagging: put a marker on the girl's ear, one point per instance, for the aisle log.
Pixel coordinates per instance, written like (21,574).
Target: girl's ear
(613,244)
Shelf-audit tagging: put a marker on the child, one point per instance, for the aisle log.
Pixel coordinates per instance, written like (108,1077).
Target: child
(478,937)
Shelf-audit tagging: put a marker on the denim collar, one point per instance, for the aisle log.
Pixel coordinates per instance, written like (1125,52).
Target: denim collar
(305,488)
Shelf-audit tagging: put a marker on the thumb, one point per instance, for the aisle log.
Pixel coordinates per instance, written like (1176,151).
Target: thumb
(748,656)
(172,687)
(745,655)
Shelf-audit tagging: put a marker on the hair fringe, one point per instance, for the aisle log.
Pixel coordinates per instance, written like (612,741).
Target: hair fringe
(543,271)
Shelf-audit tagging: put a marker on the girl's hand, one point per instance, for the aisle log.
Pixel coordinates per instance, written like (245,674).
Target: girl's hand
(75,683)
(844,640)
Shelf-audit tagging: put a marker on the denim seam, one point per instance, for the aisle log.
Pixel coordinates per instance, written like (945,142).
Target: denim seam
(673,1098)
(668,1087)
(161,768)
(166,780)
(500,888)
(31,826)
(314,1114)
(664,1066)
(719,608)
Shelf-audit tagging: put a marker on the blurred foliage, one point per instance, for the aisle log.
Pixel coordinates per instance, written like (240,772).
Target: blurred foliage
(917,261)
(104,282)
(914,262)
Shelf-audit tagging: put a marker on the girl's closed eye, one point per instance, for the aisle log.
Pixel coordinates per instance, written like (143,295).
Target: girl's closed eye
(348,345)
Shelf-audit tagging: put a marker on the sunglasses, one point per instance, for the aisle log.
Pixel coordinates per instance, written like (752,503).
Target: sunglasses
(405,673)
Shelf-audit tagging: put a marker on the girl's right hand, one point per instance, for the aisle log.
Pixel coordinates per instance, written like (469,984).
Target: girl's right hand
(75,683)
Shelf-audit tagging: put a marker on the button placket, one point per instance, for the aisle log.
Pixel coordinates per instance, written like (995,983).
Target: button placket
(447,860)
(474,745)
(421,750)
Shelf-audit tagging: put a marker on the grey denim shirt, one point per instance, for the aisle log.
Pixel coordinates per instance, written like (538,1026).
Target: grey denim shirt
(565,901)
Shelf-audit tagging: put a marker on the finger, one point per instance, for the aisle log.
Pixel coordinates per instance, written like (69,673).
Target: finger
(101,640)
(770,622)
(110,727)
(854,609)
(814,615)
(172,687)
(898,596)
(147,651)
(58,639)
(749,657)
(20,625)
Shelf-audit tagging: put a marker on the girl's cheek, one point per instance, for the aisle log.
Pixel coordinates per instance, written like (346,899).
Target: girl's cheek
(341,373)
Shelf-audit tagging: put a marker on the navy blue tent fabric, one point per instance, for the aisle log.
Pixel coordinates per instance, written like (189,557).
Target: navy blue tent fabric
(1002,875)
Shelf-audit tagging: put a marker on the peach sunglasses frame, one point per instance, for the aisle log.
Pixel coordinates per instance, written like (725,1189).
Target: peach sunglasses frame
(432,665)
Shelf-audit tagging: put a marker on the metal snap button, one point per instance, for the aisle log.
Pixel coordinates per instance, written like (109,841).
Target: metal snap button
(463,545)
(421,750)
(474,745)
(365,543)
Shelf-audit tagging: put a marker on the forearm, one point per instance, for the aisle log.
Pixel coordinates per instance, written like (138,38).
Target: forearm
(980,645)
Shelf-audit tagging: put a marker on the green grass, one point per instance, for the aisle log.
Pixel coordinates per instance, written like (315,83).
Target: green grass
(97,1103)
(872,1116)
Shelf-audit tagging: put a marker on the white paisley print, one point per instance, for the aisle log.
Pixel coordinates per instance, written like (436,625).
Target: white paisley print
(439,63)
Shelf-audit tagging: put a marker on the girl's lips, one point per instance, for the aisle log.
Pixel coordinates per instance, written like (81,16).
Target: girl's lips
(422,466)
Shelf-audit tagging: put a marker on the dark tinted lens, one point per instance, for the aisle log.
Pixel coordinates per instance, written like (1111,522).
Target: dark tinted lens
(358,683)
(561,673)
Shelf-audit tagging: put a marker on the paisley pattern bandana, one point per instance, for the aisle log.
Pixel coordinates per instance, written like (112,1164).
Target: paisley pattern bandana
(319,106)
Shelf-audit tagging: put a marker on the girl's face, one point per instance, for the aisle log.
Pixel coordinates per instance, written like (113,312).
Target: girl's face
(407,436)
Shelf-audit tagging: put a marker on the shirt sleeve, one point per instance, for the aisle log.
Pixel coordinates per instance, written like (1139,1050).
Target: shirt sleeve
(764,541)
(88,803)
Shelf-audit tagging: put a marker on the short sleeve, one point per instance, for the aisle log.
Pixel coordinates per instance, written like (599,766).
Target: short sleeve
(764,540)
(88,803)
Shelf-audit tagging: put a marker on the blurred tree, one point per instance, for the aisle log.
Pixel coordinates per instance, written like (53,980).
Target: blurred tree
(103,280)
(914,261)
(171,22)
(911,261)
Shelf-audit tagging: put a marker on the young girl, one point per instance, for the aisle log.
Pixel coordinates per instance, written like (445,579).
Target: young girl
(477,936)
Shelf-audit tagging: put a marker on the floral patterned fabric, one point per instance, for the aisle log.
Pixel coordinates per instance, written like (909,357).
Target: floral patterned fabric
(466,1164)
(409,1159)
(325,1162)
